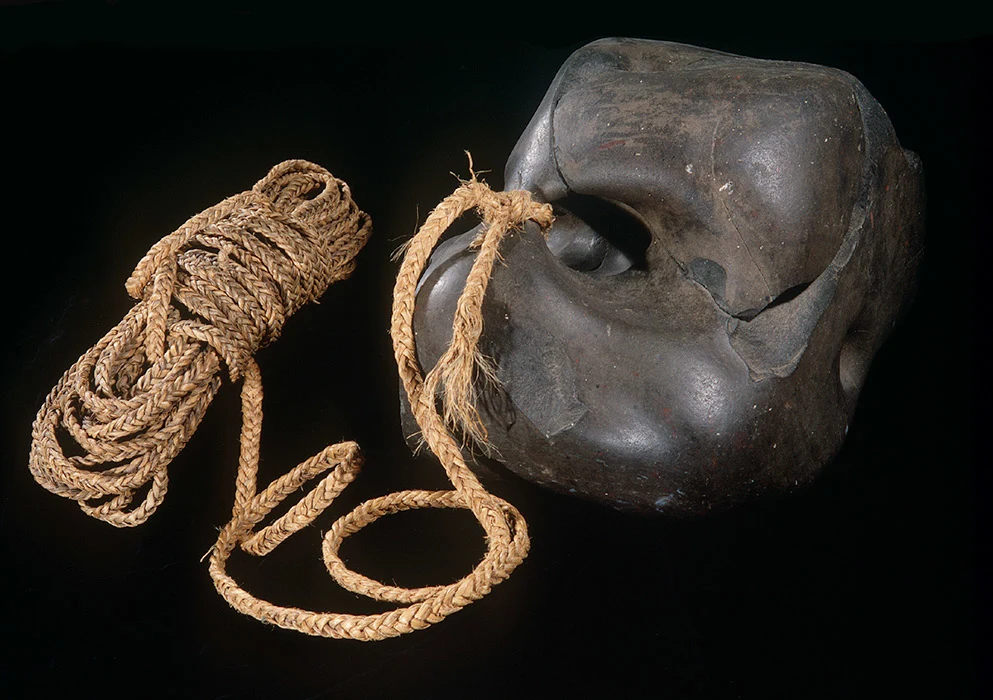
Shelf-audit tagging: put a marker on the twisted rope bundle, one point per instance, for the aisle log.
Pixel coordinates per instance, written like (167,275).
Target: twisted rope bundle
(236,271)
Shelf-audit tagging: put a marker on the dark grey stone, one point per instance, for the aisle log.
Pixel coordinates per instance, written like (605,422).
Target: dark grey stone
(735,238)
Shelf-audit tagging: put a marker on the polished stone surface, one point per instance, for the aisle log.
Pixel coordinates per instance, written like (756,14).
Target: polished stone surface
(735,239)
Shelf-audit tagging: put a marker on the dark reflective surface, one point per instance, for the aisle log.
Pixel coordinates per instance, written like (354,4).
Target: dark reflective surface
(728,230)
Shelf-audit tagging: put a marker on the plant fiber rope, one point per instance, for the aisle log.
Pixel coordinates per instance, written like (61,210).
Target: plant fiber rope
(215,291)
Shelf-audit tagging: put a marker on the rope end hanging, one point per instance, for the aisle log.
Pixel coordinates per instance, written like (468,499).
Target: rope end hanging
(463,366)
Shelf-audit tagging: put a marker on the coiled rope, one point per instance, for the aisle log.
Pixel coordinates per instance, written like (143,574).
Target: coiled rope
(215,291)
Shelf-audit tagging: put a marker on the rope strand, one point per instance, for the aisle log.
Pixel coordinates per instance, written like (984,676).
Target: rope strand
(211,294)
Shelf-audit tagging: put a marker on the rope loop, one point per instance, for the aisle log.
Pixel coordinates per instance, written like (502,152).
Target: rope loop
(211,294)
(504,527)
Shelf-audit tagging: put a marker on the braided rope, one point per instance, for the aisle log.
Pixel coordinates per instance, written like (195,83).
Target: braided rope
(235,272)
(239,269)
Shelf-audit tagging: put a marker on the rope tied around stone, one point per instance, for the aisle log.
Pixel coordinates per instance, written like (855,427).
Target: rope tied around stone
(236,272)
(462,363)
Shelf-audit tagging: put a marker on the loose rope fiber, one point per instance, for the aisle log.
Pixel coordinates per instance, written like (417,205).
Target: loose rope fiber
(214,292)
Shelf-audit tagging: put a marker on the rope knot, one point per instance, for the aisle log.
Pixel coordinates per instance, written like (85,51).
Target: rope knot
(504,210)
(463,363)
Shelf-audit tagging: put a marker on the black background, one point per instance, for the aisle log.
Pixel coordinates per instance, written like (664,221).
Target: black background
(118,124)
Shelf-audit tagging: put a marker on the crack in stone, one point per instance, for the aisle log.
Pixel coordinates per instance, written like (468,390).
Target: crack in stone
(727,209)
